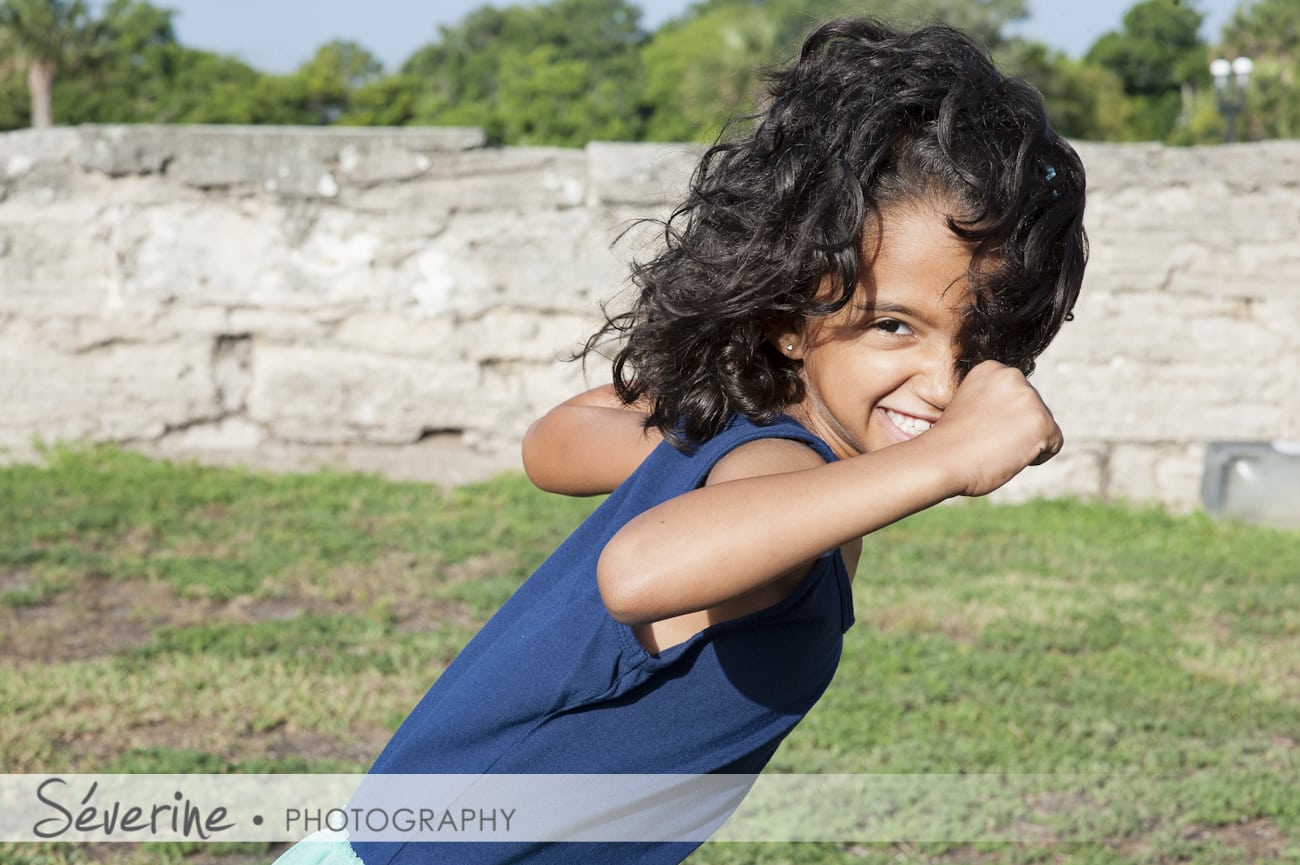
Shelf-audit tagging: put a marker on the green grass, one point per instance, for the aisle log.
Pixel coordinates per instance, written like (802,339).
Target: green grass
(173,618)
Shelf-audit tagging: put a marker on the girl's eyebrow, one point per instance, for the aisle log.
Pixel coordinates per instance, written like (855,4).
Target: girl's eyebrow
(900,308)
(889,308)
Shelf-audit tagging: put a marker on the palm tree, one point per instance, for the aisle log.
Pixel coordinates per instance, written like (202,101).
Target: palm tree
(43,35)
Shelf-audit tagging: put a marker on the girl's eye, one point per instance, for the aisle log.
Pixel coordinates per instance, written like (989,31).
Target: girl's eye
(893,326)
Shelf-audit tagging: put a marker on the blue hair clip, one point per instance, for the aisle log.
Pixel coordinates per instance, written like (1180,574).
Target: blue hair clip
(1050,174)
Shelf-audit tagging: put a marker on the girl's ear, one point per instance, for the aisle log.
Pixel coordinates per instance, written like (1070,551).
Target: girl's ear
(789,343)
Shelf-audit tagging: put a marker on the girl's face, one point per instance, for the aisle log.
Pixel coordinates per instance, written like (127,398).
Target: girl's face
(882,369)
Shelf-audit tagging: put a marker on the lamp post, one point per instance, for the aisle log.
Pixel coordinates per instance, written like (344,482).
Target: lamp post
(1230,80)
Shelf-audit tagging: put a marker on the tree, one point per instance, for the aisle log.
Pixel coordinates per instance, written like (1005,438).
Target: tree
(1265,28)
(702,70)
(387,101)
(1156,54)
(986,20)
(321,90)
(1268,32)
(44,35)
(133,70)
(126,63)
(1084,101)
(492,65)
(704,67)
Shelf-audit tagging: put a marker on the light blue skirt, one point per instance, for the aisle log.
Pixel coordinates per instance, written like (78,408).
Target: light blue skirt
(320,848)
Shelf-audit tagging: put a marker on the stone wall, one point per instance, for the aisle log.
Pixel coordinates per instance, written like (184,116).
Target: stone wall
(399,300)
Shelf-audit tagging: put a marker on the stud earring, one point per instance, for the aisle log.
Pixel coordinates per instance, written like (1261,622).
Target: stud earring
(789,346)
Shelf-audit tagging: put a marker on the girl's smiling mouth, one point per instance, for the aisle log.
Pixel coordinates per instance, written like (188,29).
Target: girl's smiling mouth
(910,426)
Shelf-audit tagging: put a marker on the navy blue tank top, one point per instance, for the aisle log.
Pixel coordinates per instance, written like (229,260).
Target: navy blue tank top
(553,684)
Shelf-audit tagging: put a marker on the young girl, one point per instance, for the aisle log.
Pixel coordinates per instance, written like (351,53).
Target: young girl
(836,335)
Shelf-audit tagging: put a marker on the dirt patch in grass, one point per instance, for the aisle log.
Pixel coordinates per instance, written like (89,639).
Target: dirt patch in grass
(957,627)
(360,747)
(1259,840)
(97,616)
(96,750)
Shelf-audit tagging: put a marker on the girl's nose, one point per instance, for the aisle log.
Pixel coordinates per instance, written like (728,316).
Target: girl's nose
(937,382)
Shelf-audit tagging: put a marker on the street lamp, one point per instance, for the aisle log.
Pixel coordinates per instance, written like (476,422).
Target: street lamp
(1230,80)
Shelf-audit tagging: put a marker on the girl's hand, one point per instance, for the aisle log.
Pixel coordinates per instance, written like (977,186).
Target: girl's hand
(995,425)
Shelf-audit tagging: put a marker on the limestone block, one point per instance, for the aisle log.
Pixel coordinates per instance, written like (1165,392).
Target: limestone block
(1169,474)
(40,185)
(204,321)
(289,161)
(241,256)
(79,335)
(1160,327)
(1245,166)
(537,387)
(499,335)
(647,175)
(1281,314)
(23,149)
(398,334)
(550,260)
(226,434)
(513,179)
(1075,471)
(1208,213)
(522,335)
(1124,400)
(231,373)
(381,164)
(116,393)
(330,395)
(119,150)
(54,265)
(1249,286)
(279,325)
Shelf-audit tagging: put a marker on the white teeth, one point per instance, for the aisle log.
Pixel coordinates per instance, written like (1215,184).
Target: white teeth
(913,426)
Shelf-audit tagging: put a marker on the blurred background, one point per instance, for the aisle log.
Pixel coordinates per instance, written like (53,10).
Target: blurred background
(298,234)
(569,71)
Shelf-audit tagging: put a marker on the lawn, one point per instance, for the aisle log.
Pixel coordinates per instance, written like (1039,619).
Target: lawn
(172,618)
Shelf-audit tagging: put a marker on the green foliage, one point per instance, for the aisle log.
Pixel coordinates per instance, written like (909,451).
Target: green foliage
(565,72)
(1084,101)
(1268,31)
(704,67)
(703,70)
(321,90)
(388,101)
(43,37)
(1156,54)
(49,30)
(1264,28)
(984,19)
(561,73)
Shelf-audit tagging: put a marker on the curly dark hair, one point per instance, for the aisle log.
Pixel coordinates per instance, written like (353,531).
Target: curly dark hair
(868,117)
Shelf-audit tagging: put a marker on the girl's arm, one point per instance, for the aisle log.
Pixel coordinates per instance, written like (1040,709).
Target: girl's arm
(772,507)
(587,445)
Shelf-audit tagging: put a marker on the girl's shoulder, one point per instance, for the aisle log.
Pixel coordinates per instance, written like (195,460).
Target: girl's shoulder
(745,448)
(764,456)
(783,433)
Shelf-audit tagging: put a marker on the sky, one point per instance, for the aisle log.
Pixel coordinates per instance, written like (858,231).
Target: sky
(279,35)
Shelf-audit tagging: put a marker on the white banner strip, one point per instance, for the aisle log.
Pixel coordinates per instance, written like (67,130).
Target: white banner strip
(549,808)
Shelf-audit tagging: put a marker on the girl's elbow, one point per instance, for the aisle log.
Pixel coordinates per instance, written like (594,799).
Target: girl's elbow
(535,452)
(621,585)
